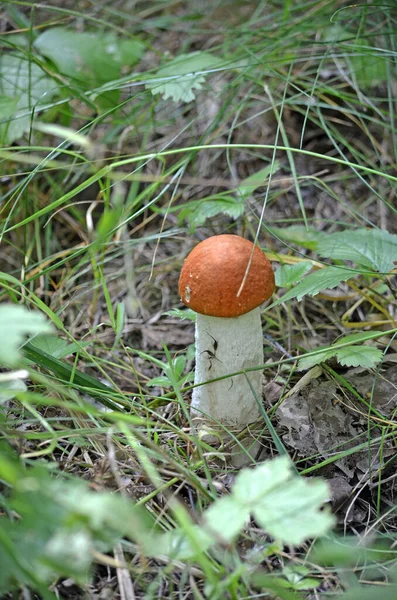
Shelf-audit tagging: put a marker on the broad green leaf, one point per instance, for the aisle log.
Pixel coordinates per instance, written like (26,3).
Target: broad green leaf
(16,324)
(359,356)
(198,212)
(298,234)
(181,77)
(56,346)
(25,83)
(323,279)
(375,249)
(256,180)
(287,275)
(90,59)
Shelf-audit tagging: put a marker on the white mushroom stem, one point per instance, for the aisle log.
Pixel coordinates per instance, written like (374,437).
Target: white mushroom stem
(225,346)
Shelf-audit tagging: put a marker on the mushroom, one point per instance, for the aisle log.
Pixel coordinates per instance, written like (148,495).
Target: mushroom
(225,279)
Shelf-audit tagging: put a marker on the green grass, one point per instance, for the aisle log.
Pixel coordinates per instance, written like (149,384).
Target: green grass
(106,185)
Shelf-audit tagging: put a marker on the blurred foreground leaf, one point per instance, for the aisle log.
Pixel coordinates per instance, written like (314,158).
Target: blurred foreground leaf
(16,324)
(59,526)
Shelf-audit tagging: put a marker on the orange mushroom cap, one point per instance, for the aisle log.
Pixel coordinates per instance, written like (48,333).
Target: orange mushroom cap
(213,272)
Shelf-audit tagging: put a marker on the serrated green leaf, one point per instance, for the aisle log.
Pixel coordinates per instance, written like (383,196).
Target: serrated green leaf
(198,212)
(375,249)
(312,284)
(182,76)
(287,275)
(252,484)
(286,506)
(359,356)
(349,356)
(256,180)
(28,86)
(298,234)
(293,513)
(16,324)
(88,58)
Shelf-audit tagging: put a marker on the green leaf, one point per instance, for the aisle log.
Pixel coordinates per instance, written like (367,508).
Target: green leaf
(349,356)
(60,525)
(55,346)
(88,58)
(226,518)
(287,275)
(307,237)
(375,249)
(160,381)
(25,84)
(198,212)
(307,362)
(256,180)
(292,514)
(182,76)
(286,506)
(16,324)
(359,356)
(185,313)
(323,279)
